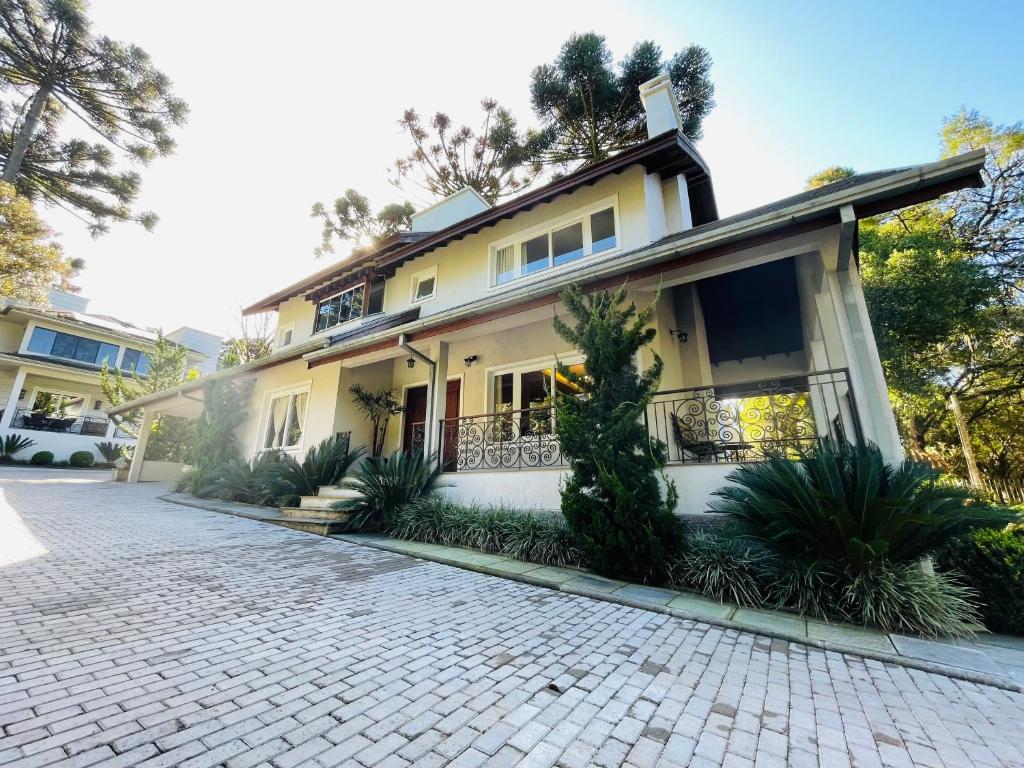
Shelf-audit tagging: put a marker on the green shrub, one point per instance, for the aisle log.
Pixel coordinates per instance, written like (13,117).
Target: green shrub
(536,537)
(721,567)
(843,505)
(244,481)
(82,459)
(383,486)
(905,598)
(13,444)
(613,500)
(41,458)
(110,451)
(286,479)
(992,563)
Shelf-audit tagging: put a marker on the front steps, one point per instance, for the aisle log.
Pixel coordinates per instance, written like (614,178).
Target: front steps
(314,513)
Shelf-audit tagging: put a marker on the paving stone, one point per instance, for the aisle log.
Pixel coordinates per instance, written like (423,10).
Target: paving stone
(162,636)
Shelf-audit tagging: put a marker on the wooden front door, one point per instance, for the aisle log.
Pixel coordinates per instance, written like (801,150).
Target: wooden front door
(451,428)
(414,423)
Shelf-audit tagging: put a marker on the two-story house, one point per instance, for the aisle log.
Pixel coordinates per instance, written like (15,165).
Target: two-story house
(50,362)
(760,317)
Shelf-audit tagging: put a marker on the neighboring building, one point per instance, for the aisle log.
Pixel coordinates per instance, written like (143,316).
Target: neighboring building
(761,321)
(50,359)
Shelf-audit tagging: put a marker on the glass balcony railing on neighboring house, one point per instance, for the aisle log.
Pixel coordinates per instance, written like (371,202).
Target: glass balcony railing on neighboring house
(26,418)
(740,422)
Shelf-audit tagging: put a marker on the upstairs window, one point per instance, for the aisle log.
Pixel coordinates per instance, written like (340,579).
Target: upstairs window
(585,233)
(284,335)
(70,347)
(424,285)
(135,360)
(347,305)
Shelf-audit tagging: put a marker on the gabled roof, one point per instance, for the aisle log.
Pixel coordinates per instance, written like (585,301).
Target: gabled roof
(669,154)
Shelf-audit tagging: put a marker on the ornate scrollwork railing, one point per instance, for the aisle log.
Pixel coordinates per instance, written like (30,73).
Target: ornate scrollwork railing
(510,439)
(751,421)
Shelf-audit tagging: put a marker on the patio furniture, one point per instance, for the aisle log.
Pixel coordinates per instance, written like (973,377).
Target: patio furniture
(688,442)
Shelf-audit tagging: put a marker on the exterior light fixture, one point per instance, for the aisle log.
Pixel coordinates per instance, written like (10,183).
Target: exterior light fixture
(411,362)
(470,360)
(680,334)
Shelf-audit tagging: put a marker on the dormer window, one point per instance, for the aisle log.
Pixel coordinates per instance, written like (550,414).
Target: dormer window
(583,233)
(340,308)
(424,285)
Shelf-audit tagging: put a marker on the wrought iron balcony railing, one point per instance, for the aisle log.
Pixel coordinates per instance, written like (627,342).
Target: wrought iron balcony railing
(26,418)
(741,422)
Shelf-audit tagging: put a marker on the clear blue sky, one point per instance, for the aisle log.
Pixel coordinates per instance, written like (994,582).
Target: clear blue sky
(295,105)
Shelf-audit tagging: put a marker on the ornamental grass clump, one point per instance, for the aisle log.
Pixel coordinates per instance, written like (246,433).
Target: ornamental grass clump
(721,567)
(854,531)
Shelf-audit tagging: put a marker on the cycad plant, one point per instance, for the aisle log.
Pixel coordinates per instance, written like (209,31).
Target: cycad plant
(109,450)
(843,504)
(13,444)
(323,464)
(383,486)
(245,481)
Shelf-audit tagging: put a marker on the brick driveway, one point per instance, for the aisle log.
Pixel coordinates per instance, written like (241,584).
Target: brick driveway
(135,632)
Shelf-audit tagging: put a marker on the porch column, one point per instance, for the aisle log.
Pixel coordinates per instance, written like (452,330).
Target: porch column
(12,399)
(437,395)
(684,201)
(864,356)
(654,200)
(140,445)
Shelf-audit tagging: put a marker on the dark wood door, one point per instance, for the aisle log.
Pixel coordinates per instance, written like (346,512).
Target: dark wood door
(414,423)
(451,428)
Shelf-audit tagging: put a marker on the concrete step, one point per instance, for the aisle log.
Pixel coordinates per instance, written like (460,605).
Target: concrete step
(319,527)
(305,513)
(335,492)
(317,502)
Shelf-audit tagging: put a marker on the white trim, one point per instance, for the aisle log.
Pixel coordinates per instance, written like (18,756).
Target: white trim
(416,279)
(288,328)
(578,216)
(360,316)
(268,397)
(86,401)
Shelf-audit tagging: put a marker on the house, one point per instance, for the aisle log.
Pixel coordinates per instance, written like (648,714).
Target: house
(50,361)
(760,318)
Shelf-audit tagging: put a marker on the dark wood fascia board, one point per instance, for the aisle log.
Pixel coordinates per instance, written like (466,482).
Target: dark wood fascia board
(920,195)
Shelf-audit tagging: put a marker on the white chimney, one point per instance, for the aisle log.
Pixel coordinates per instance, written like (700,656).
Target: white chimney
(660,103)
(451,210)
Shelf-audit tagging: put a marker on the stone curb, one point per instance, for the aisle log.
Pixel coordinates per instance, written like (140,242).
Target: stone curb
(956,673)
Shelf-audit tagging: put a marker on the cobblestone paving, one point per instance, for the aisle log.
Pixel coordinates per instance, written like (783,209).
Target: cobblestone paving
(134,632)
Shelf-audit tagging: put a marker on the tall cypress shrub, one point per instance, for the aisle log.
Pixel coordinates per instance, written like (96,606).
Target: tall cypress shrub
(613,501)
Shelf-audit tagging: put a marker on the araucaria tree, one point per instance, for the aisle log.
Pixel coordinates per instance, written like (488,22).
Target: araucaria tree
(497,160)
(30,262)
(350,220)
(590,109)
(613,500)
(55,66)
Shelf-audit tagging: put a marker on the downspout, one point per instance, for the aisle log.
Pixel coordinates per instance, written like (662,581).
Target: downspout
(428,428)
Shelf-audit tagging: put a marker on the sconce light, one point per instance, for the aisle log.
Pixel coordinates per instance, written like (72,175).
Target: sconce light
(411,362)
(680,334)
(470,360)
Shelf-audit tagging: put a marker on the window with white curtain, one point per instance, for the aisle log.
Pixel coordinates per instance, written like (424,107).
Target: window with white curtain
(286,418)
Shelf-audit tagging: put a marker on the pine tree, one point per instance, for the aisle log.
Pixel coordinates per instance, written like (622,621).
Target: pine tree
(613,500)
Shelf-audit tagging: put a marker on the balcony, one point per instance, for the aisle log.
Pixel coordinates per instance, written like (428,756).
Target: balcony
(26,418)
(742,422)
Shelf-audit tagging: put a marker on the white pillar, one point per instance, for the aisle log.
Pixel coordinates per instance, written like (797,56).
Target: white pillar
(437,396)
(12,399)
(654,200)
(140,446)
(684,201)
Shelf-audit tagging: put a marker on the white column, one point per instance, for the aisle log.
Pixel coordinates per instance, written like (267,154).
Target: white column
(684,201)
(140,446)
(654,200)
(437,396)
(12,399)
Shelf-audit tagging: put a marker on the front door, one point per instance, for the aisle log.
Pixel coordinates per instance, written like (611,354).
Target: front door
(451,428)
(414,423)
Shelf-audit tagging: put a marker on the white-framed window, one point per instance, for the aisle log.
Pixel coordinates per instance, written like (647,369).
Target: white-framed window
(340,308)
(284,335)
(424,285)
(284,419)
(50,402)
(585,232)
(528,388)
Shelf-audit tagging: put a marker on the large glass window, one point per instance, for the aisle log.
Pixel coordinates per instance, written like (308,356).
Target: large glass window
(59,404)
(591,233)
(530,393)
(135,360)
(285,420)
(70,347)
(346,306)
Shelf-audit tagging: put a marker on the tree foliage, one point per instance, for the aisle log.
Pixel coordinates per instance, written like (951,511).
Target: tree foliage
(215,444)
(350,220)
(378,406)
(829,175)
(30,261)
(254,342)
(497,160)
(53,67)
(613,501)
(590,109)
